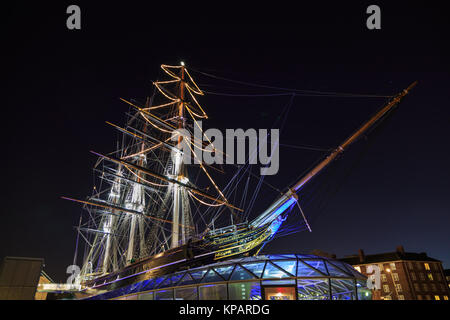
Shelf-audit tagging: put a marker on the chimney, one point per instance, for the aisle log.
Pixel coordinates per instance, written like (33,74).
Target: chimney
(400,250)
(361,255)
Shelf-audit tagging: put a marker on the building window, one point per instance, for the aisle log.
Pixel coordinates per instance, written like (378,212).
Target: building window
(416,287)
(430,276)
(442,288)
(445,297)
(436,298)
(410,265)
(386,288)
(427,266)
(438,277)
(422,276)
(413,276)
(419,297)
(383,277)
(358,269)
(425,287)
(395,276)
(433,287)
(381,267)
(418,265)
(387,298)
(392,264)
(401,297)
(398,287)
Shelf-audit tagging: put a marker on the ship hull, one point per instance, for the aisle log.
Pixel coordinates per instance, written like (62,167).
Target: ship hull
(210,249)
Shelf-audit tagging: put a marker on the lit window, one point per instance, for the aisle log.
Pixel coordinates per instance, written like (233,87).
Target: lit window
(419,297)
(410,265)
(398,287)
(383,277)
(430,276)
(386,288)
(392,264)
(413,276)
(388,298)
(401,297)
(445,297)
(436,298)
(395,276)
(358,269)
(427,266)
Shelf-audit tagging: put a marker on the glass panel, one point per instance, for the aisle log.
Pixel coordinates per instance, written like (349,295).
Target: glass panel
(342,289)
(224,271)
(211,276)
(313,289)
(146,296)
(304,270)
(363,292)
(255,267)
(287,265)
(318,264)
(273,272)
(244,291)
(133,297)
(277,282)
(354,271)
(158,281)
(135,287)
(187,279)
(213,292)
(166,283)
(348,269)
(240,274)
(197,275)
(175,278)
(164,295)
(334,271)
(148,284)
(186,293)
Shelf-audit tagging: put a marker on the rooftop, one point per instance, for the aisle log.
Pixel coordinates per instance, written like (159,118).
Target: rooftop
(398,254)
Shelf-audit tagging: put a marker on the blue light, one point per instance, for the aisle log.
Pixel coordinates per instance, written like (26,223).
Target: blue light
(286,205)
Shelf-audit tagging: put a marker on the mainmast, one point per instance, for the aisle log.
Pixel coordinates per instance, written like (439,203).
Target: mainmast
(177,170)
(290,197)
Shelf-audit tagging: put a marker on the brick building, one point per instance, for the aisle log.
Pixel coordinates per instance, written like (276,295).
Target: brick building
(404,275)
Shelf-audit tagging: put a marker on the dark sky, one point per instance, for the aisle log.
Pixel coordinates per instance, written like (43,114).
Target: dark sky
(60,86)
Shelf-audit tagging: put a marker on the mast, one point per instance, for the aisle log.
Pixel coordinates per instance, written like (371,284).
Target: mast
(290,197)
(177,207)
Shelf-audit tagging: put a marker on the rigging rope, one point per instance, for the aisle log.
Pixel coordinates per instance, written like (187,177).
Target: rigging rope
(319,93)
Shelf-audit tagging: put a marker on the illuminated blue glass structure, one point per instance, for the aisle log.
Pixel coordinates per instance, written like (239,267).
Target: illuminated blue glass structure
(266,277)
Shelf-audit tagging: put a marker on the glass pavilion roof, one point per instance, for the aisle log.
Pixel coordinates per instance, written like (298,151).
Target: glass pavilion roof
(264,267)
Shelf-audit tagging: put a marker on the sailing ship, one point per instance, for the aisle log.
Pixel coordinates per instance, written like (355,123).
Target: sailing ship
(141,223)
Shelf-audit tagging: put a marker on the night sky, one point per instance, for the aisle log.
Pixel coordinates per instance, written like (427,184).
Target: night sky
(60,87)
